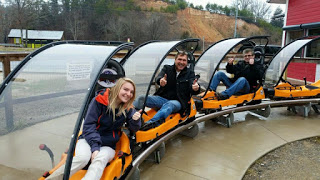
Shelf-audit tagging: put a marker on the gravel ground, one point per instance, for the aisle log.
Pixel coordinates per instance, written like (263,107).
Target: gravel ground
(295,161)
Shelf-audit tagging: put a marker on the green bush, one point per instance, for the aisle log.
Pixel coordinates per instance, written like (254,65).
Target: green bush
(171,9)
(185,35)
(182,4)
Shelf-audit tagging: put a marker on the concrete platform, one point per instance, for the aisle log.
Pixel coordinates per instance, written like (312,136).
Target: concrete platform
(20,156)
(216,153)
(226,153)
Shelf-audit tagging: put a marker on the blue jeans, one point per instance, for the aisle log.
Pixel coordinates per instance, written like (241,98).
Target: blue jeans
(165,106)
(241,84)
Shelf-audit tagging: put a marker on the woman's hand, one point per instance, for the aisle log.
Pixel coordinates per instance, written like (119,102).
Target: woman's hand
(94,154)
(136,116)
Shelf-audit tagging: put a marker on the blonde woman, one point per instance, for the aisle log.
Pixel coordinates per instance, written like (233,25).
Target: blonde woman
(106,114)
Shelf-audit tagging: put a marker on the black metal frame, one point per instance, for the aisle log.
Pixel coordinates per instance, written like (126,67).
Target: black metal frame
(121,46)
(159,64)
(83,110)
(284,69)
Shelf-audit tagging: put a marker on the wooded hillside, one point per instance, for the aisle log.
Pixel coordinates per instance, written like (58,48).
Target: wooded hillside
(118,20)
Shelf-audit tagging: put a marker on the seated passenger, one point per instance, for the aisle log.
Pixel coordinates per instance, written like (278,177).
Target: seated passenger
(246,73)
(177,84)
(106,114)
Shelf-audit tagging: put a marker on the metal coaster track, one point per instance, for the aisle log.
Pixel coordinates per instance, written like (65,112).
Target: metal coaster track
(271,104)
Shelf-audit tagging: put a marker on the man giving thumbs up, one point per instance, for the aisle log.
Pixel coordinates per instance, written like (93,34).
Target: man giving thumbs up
(177,85)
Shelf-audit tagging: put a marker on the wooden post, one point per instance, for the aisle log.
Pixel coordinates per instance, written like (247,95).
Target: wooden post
(6,66)
(7,58)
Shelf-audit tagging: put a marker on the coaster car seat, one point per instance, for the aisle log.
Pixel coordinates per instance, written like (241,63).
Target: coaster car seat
(259,54)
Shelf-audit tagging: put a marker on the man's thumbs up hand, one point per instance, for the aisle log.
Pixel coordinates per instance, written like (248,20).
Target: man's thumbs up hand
(163,81)
(195,85)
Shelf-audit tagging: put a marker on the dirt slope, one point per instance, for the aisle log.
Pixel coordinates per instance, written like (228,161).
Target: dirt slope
(147,4)
(199,24)
(213,27)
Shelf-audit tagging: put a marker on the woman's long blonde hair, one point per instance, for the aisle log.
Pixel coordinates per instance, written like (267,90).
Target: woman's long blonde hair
(114,91)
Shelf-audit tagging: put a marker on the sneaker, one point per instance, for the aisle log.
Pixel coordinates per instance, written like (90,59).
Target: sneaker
(220,96)
(149,125)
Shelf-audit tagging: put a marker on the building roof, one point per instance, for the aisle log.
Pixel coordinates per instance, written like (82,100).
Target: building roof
(277,1)
(36,34)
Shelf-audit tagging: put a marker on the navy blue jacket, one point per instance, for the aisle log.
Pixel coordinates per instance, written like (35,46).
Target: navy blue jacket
(99,129)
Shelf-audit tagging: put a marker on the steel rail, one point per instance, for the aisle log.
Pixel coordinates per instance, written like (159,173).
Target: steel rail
(181,128)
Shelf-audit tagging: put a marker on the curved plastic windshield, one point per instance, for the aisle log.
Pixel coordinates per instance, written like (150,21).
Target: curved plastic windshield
(40,105)
(207,63)
(280,61)
(141,65)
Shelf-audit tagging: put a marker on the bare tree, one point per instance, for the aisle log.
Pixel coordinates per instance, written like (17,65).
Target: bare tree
(3,23)
(66,6)
(120,27)
(75,24)
(243,4)
(45,19)
(102,23)
(22,14)
(156,26)
(54,7)
(260,9)
(116,27)
(37,9)
(134,26)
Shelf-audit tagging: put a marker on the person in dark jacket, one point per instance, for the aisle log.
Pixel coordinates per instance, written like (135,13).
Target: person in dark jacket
(106,114)
(246,74)
(177,85)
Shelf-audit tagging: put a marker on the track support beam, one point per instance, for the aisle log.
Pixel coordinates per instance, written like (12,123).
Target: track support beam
(265,112)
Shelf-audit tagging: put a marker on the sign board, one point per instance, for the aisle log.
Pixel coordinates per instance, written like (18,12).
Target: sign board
(78,71)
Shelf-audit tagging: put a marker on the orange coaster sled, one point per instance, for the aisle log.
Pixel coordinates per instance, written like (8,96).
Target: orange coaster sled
(114,170)
(170,122)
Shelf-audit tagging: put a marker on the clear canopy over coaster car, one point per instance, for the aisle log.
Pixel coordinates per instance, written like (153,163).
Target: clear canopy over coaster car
(275,83)
(272,84)
(44,100)
(47,96)
(150,58)
(214,61)
(143,65)
(278,86)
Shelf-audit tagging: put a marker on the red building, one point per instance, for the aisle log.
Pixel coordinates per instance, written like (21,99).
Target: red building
(302,18)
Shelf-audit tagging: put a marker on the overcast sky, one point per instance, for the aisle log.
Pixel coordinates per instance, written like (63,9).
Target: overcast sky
(229,3)
(205,2)
(220,2)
